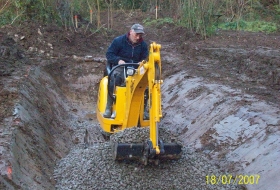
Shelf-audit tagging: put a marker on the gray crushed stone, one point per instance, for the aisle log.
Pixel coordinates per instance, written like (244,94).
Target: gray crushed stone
(94,168)
(139,135)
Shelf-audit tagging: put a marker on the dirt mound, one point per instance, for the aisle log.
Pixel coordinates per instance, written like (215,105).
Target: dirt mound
(12,56)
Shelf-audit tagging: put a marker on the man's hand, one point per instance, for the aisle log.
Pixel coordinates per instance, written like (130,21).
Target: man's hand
(121,62)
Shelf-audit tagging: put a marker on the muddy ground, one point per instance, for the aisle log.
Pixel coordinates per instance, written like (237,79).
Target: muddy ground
(221,96)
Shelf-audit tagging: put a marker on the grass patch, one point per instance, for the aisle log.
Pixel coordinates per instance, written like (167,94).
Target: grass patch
(158,22)
(251,26)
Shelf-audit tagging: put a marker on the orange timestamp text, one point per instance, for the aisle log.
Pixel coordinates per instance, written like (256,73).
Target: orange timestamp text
(232,179)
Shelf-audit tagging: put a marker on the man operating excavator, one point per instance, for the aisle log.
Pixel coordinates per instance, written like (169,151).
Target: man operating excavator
(134,94)
(127,48)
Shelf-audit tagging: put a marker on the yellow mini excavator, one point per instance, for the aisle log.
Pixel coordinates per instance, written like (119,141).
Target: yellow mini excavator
(128,109)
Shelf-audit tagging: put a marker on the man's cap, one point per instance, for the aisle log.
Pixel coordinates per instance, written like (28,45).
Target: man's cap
(138,28)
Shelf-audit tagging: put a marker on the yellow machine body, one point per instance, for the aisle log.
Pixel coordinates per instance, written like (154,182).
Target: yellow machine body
(127,113)
(128,108)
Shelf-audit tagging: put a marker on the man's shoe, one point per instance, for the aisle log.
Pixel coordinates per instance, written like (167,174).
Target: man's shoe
(107,113)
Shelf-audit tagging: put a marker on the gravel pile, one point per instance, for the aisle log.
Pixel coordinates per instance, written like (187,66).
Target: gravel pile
(94,168)
(139,135)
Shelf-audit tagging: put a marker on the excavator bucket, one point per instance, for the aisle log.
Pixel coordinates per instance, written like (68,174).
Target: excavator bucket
(143,152)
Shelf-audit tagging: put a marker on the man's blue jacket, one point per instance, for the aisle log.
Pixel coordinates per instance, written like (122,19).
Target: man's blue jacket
(122,49)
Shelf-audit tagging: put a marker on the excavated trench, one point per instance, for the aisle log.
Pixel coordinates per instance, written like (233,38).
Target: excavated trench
(224,130)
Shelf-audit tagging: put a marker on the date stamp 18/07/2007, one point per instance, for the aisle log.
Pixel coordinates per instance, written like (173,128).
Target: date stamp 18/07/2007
(232,179)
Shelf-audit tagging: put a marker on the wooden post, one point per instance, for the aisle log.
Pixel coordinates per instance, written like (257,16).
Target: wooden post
(156,8)
(90,16)
(76,21)
(156,11)
(98,14)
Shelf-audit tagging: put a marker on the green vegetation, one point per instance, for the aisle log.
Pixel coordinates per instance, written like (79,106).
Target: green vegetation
(202,17)
(253,26)
(277,8)
(158,22)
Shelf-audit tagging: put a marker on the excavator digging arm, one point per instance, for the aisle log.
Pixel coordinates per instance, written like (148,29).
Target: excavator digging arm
(154,78)
(154,147)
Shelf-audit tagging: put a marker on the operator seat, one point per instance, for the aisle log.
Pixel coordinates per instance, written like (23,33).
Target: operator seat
(107,69)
